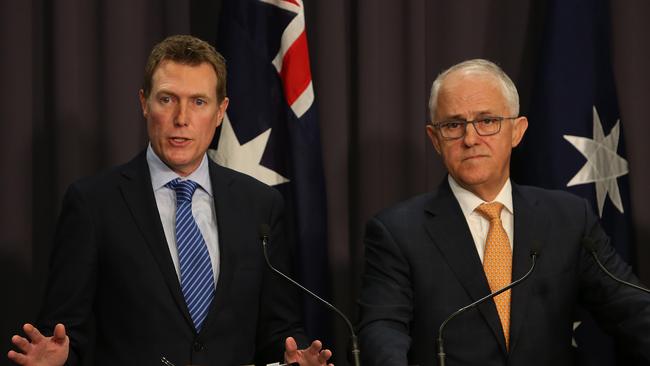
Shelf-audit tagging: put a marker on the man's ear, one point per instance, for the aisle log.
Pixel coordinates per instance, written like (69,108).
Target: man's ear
(143,103)
(433,137)
(222,110)
(518,130)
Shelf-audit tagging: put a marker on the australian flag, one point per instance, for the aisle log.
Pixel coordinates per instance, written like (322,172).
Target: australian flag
(270,130)
(575,140)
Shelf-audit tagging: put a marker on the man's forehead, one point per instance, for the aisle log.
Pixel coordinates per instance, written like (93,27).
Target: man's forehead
(168,66)
(475,94)
(174,75)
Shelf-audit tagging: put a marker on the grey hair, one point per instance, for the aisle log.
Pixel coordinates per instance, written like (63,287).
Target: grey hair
(478,66)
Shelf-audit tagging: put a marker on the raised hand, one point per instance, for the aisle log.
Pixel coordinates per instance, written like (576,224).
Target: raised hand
(311,356)
(39,350)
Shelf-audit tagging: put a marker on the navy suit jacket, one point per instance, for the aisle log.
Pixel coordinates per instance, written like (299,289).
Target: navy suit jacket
(421,265)
(113,284)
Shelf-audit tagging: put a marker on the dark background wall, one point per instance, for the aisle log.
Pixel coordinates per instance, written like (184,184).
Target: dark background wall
(70,71)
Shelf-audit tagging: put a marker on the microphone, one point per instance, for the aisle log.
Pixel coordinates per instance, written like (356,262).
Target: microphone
(591,246)
(265,231)
(534,253)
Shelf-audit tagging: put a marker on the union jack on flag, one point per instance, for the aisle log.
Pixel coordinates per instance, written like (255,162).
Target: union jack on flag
(270,130)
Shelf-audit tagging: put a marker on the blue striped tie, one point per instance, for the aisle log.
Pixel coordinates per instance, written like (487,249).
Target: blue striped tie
(197,280)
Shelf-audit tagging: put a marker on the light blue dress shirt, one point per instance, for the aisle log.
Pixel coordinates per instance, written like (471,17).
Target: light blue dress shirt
(202,207)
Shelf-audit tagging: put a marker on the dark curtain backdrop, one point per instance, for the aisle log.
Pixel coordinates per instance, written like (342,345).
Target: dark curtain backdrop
(70,71)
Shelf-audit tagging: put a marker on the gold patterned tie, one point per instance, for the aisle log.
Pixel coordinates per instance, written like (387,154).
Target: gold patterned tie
(497,262)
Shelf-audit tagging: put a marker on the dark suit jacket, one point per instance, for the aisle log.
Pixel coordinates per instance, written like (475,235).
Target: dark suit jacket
(422,265)
(111,266)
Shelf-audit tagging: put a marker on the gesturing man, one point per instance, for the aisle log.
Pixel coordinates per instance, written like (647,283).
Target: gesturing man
(161,256)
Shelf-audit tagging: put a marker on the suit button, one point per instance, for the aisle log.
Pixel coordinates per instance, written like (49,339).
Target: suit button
(198,346)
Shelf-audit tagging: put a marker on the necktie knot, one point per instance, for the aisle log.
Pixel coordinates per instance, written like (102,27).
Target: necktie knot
(490,211)
(184,189)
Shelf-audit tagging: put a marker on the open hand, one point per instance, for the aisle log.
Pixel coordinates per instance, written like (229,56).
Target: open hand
(312,355)
(39,350)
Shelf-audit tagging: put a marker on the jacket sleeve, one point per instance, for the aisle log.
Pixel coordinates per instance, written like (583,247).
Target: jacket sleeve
(72,275)
(622,311)
(386,301)
(280,305)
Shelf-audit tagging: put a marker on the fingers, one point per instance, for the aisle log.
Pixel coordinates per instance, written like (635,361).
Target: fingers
(316,350)
(59,333)
(324,355)
(20,342)
(290,345)
(18,358)
(314,354)
(290,350)
(315,347)
(34,335)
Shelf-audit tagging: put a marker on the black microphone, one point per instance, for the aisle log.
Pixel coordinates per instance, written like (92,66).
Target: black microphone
(265,231)
(591,246)
(534,253)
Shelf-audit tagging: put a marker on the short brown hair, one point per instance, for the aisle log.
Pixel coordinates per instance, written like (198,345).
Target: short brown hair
(186,50)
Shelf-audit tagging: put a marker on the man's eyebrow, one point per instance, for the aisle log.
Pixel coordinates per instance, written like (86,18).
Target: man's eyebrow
(482,113)
(200,95)
(165,91)
(455,116)
(193,96)
(485,113)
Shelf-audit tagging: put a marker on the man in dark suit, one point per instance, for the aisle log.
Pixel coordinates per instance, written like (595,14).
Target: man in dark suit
(161,257)
(435,253)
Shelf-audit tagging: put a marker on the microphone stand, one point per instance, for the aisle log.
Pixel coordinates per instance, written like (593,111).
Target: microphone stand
(590,245)
(440,341)
(356,353)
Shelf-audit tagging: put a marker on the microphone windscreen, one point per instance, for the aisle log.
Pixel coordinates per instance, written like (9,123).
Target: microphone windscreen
(589,244)
(265,231)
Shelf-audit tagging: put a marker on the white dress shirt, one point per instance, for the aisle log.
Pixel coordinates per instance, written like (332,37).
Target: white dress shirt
(202,207)
(479,225)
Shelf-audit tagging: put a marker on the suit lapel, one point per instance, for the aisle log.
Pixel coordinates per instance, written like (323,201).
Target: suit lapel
(529,230)
(138,194)
(449,231)
(227,223)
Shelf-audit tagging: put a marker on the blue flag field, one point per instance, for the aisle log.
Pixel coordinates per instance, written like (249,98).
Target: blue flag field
(575,137)
(270,130)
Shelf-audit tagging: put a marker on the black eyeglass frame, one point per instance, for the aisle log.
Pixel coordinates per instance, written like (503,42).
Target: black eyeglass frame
(497,119)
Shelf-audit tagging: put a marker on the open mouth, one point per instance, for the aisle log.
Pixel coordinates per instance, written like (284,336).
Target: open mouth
(179,141)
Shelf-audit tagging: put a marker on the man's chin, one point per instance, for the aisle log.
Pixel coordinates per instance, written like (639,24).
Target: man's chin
(181,165)
(471,179)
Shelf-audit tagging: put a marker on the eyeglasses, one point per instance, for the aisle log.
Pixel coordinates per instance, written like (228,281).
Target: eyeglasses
(456,128)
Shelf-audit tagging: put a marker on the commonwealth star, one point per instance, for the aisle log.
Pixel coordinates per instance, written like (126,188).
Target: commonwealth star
(244,158)
(603,164)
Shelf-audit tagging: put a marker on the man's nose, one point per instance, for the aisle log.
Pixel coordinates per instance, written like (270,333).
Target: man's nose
(471,135)
(181,114)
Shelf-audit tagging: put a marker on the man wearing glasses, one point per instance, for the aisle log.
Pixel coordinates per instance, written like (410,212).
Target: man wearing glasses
(437,252)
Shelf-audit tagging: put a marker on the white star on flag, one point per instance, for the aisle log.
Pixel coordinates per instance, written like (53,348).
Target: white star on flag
(244,158)
(603,164)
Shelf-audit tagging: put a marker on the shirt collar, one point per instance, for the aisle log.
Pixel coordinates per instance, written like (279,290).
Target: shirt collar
(469,201)
(161,174)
